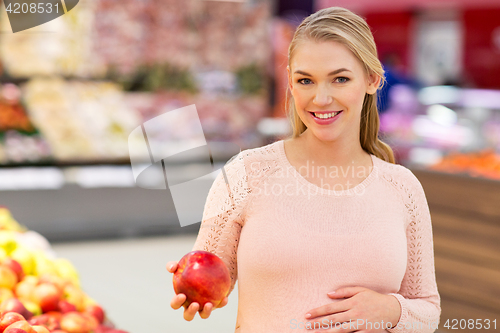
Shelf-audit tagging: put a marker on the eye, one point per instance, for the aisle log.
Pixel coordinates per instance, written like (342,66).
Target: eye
(342,79)
(301,81)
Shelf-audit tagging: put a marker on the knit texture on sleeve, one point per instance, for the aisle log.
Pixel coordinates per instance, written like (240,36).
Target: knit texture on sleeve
(418,296)
(227,201)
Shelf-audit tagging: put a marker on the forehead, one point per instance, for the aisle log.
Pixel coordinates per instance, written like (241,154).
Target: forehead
(319,56)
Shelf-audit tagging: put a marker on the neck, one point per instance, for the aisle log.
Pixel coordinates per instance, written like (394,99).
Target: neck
(333,153)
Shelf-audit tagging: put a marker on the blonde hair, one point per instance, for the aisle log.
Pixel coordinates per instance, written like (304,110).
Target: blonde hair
(343,26)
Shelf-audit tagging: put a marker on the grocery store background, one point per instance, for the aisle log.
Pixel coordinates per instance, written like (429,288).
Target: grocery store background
(73,89)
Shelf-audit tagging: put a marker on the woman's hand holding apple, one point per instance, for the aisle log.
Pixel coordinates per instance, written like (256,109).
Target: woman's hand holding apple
(190,312)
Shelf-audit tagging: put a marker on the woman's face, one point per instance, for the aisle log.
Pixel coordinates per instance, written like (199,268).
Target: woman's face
(328,84)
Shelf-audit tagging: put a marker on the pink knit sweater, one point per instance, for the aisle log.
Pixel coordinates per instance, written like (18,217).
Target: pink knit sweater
(289,242)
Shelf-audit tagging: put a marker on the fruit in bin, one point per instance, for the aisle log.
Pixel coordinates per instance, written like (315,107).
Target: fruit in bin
(66,270)
(15,305)
(65,306)
(15,266)
(25,288)
(57,281)
(15,330)
(91,320)
(7,222)
(25,257)
(50,320)
(43,265)
(5,294)
(202,277)
(96,311)
(32,307)
(8,277)
(8,241)
(75,322)
(40,329)
(9,318)
(3,254)
(22,325)
(47,296)
(75,296)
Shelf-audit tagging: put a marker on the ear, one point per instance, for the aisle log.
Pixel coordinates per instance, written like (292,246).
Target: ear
(374,81)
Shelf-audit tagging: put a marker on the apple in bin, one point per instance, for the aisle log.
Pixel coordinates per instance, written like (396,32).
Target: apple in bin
(9,318)
(202,277)
(21,325)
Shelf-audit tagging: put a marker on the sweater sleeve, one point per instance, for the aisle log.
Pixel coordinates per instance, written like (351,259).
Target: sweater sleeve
(418,296)
(223,215)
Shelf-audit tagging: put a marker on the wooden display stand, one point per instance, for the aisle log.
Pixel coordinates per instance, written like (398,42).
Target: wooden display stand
(465,215)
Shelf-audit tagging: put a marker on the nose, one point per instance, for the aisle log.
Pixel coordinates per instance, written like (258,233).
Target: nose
(323,97)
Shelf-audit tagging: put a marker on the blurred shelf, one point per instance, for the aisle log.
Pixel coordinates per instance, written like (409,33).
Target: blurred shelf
(466,228)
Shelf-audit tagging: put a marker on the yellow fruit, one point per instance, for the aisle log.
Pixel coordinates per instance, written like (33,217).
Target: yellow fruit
(8,277)
(32,307)
(7,222)
(8,241)
(44,265)
(66,270)
(5,293)
(25,258)
(75,296)
(3,254)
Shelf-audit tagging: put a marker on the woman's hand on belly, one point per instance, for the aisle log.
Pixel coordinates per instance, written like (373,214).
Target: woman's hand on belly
(190,312)
(359,310)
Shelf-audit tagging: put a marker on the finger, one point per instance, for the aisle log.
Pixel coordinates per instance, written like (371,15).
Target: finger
(172,266)
(340,322)
(328,309)
(223,303)
(177,301)
(191,311)
(207,309)
(346,292)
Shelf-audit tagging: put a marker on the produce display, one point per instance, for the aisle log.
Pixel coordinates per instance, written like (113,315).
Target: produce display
(202,277)
(480,164)
(81,120)
(40,293)
(58,47)
(20,140)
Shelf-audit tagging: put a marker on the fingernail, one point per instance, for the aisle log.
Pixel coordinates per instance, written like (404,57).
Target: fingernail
(331,293)
(308,315)
(171,266)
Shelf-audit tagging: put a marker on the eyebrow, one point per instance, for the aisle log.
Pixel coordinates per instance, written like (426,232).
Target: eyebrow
(331,73)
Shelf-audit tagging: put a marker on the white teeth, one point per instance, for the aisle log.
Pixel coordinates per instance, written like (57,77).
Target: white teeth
(326,115)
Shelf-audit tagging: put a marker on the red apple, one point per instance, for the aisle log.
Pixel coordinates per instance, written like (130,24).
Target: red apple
(47,320)
(15,266)
(65,306)
(25,288)
(75,296)
(75,322)
(47,296)
(15,305)
(9,318)
(22,324)
(57,281)
(15,330)
(96,311)
(202,277)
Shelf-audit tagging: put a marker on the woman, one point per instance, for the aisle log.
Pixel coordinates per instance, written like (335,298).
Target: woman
(323,230)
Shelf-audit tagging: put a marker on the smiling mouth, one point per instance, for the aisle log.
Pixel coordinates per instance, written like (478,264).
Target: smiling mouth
(325,115)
